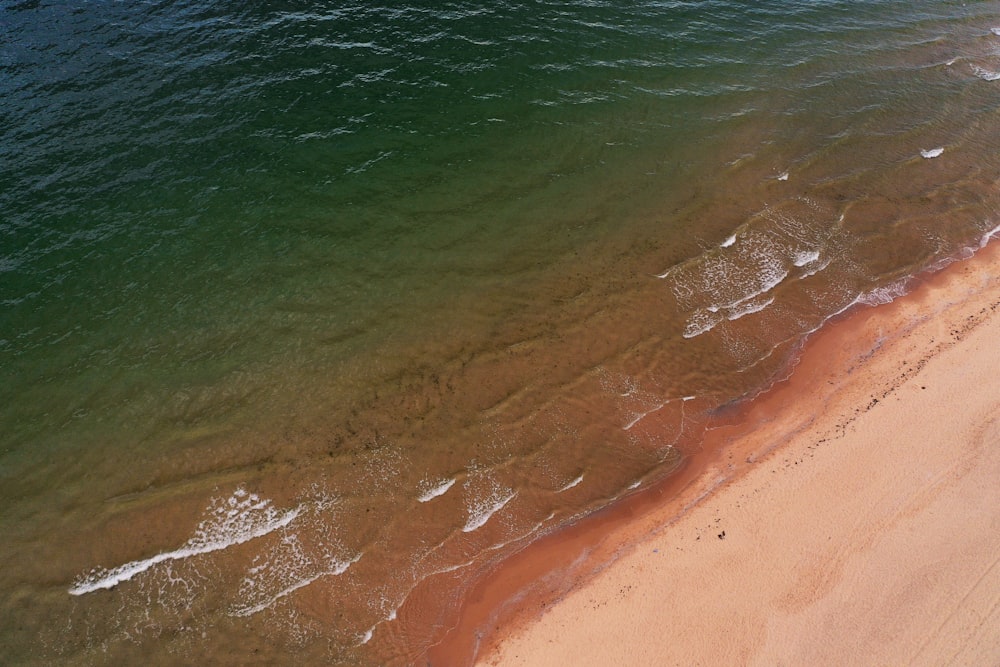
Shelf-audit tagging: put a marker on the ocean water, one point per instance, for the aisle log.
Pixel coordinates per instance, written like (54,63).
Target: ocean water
(309,316)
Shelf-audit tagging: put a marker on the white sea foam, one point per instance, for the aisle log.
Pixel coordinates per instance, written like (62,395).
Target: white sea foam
(995,31)
(635,420)
(339,567)
(888,293)
(816,268)
(802,258)
(437,490)
(240,518)
(985,74)
(701,321)
(296,561)
(480,512)
(987,236)
(571,484)
(882,295)
(705,319)
(728,242)
(783,176)
(768,281)
(932,153)
(749,308)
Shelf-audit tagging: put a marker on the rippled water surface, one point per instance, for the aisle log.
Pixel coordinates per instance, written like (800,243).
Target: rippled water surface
(310,316)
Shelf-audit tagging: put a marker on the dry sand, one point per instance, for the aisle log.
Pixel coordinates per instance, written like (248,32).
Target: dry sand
(854,520)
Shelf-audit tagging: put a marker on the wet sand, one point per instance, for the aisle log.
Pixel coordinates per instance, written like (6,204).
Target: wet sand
(852,517)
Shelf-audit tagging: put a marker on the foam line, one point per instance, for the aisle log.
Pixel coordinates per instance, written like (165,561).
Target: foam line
(987,236)
(807,257)
(749,309)
(985,74)
(694,329)
(196,546)
(816,269)
(479,516)
(766,286)
(571,484)
(261,606)
(665,403)
(435,491)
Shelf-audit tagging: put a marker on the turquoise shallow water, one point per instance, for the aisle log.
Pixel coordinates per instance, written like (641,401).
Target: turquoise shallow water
(427,280)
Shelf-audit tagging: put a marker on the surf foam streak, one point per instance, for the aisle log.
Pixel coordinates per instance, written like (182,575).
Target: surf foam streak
(481,513)
(699,323)
(803,258)
(816,268)
(732,282)
(706,319)
(987,236)
(571,484)
(435,491)
(985,74)
(772,281)
(932,153)
(243,517)
(639,417)
(338,569)
(749,308)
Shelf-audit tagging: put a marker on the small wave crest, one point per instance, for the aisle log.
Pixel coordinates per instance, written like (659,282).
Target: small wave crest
(293,568)
(803,258)
(436,490)
(749,307)
(882,295)
(481,511)
(705,319)
(240,518)
(815,267)
(734,280)
(571,484)
(990,234)
(985,74)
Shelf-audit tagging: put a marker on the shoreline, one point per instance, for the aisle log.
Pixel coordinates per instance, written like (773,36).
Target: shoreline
(847,375)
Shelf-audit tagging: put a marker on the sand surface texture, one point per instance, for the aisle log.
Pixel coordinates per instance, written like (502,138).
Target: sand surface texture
(856,523)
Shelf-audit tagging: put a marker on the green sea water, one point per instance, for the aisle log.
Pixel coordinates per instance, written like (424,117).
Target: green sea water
(311,314)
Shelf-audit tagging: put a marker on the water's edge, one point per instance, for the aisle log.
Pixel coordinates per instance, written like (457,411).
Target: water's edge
(521,588)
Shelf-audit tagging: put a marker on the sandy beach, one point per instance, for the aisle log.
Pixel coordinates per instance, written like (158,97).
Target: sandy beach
(853,517)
